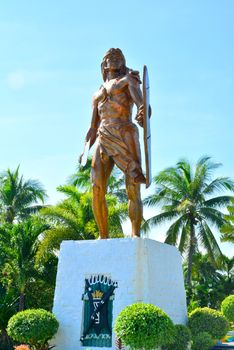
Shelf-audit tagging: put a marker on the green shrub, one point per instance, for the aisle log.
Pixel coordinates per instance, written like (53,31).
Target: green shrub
(208,320)
(182,339)
(192,306)
(227,308)
(34,326)
(202,341)
(144,326)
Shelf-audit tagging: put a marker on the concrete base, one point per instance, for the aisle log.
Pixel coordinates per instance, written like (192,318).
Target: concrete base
(146,271)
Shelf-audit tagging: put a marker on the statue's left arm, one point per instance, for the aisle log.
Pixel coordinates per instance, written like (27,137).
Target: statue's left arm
(136,95)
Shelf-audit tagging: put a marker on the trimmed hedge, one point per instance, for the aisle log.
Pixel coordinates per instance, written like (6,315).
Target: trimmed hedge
(144,326)
(33,326)
(208,320)
(227,308)
(202,341)
(182,339)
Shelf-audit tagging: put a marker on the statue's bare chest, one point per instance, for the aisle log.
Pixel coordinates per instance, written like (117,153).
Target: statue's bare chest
(115,86)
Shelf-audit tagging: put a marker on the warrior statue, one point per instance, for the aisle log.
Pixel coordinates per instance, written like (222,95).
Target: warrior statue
(117,138)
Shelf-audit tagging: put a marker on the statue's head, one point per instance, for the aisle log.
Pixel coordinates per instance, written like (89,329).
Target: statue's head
(113,60)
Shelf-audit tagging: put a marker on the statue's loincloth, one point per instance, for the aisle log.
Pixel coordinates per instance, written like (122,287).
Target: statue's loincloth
(113,142)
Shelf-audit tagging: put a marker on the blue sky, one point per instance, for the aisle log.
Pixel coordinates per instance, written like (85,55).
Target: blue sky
(50,67)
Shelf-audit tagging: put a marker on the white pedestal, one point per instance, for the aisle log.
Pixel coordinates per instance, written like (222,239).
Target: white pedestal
(146,271)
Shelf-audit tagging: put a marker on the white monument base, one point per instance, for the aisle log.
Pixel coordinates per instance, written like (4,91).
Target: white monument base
(146,271)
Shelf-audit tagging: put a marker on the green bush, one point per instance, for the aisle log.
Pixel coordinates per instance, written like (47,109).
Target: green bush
(208,320)
(202,341)
(182,339)
(34,326)
(144,326)
(227,308)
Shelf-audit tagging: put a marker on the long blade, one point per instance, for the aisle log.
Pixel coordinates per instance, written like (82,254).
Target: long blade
(146,126)
(84,156)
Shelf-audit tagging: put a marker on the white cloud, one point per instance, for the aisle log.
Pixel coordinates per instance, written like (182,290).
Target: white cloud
(16,80)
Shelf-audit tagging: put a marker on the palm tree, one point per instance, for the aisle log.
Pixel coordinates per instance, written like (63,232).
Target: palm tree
(19,198)
(228,228)
(190,199)
(210,285)
(8,307)
(228,267)
(81,178)
(73,219)
(19,244)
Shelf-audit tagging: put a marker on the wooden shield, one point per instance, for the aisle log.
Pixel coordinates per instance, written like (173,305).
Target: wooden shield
(146,126)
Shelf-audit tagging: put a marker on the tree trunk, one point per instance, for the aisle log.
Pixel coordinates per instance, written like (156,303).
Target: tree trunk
(190,257)
(21,301)
(10,215)
(5,341)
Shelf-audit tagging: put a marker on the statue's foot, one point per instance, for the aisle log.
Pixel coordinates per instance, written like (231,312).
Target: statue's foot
(103,237)
(135,236)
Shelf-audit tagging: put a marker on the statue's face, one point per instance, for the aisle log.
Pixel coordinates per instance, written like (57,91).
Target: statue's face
(114,61)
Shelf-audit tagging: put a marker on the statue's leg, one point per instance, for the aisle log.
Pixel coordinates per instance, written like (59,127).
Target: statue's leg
(135,210)
(102,166)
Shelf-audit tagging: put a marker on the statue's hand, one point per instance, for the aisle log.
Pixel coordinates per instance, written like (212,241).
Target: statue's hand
(140,115)
(91,135)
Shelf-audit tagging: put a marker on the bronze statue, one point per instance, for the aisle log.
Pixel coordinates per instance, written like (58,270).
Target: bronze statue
(117,138)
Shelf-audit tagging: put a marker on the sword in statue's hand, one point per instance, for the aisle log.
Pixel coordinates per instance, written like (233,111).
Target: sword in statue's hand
(89,141)
(84,155)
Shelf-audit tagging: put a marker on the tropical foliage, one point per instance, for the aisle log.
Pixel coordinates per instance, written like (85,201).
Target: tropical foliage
(228,228)
(73,219)
(227,308)
(19,198)
(19,244)
(208,320)
(8,307)
(202,341)
(210,283)
(182,338)
(34,326)
(30,234)
(144,326)
(192,201)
